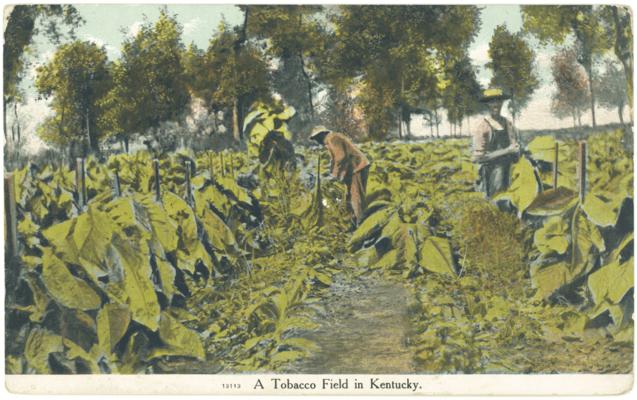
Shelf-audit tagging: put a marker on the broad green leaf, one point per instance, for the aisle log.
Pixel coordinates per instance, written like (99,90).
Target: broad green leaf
(600,211)
(132,260)
(219,234)
(60,237)
(180,211)
(389,260)
(370,226)
(177,339)
(524,185)
(549,278)
(167,276)
(436,256)
(283,357)
(552,237)
(26,226)
(37,310)
(112,323)
(553,202)
(611,281)
(92,236)
(543,148)
(65,288)
(74,351)
(40,343)
(163,227)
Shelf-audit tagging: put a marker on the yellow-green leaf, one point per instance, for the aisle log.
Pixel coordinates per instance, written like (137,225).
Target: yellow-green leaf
(112,323)
(65,288)
(436,256)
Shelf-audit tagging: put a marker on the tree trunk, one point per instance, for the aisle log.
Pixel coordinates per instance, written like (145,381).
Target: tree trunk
(400,125)
(236,133)
(590,87)
(4,117)
(622,51)
(17,122)
(437,123)
(620,110)
(408,126)
(126,143)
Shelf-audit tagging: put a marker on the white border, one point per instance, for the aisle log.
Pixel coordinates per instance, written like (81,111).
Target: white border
(460,385)
(533,385)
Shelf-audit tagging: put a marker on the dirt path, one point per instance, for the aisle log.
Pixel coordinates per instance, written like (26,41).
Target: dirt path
(363,330)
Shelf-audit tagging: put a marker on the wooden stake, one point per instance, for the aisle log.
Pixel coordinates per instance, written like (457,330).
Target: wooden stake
(188,187)
(118,189)
(582,170)
(212,170)
(555,165)
(80,182)
(10,217)
(231,166)
(319,197)
(157,180)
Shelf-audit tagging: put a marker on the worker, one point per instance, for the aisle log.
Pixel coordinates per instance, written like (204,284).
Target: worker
(348,164)
(495,146)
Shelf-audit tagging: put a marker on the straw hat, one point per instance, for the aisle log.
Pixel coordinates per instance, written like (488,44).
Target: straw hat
(493,94)
(318,130)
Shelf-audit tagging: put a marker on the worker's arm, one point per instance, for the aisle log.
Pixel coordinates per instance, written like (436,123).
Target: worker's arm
(480,140)
(340,158)
(496,154)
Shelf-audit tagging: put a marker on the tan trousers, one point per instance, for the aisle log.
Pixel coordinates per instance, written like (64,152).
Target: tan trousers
(356,188)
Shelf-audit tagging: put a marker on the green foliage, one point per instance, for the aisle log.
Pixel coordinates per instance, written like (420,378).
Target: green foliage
(400,55)
(224,77)
(78,79)
(513,66)
(149,85)
(24,22)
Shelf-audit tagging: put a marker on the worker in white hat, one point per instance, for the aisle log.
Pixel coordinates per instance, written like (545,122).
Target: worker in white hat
(495,146)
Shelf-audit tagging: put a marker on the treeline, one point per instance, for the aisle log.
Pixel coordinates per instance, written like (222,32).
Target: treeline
(366,70)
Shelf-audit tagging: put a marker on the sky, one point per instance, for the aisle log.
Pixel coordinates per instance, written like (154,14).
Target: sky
(110,25)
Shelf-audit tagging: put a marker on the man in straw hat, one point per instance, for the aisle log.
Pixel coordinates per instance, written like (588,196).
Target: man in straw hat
(495,146)
(348,164)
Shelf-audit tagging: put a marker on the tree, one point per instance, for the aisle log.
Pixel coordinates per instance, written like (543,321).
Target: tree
(618,25)
(553,24)
(227,80)
(462,93)
(149,80)
(400,53)
(293,36)
(512,63)
(77,78)
(572,96)
(611,88)
(24,22)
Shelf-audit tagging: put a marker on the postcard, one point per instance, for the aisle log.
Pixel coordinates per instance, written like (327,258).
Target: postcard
(318,199)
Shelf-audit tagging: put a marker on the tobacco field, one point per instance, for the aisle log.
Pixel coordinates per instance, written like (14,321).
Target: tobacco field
(232,274)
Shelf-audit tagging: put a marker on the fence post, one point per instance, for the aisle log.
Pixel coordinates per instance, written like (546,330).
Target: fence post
(10,217)
(231,166)
(188,187)
(212,170)
(80,183)
(118,188)
(581,170)
(555,165)
(157,180)
(319,197)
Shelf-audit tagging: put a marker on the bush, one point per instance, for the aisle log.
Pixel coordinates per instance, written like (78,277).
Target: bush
(491,244)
